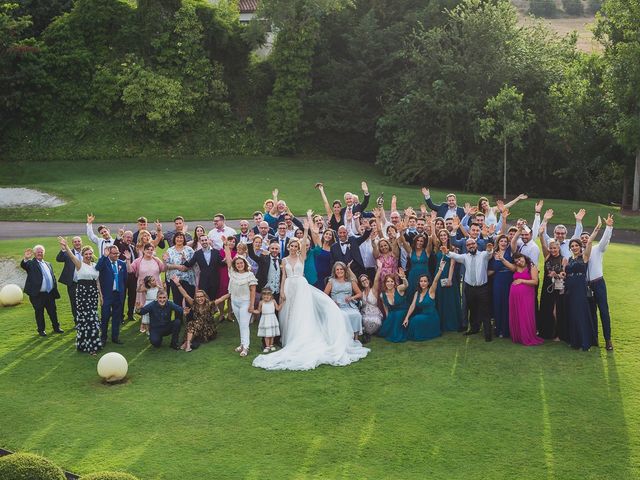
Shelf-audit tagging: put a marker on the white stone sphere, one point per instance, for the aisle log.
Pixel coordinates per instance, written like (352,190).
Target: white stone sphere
(10,295)
(112,367)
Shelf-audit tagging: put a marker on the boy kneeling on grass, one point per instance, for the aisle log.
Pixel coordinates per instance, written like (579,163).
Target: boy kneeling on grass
(160,323)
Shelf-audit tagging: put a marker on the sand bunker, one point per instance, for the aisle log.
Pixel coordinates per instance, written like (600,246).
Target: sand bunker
(25,197)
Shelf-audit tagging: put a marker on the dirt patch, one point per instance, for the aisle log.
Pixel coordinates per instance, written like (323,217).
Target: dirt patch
(563,26)
(26,197)
(10,272)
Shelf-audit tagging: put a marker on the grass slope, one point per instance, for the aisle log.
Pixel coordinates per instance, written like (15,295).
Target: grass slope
(453,407)
(124,189)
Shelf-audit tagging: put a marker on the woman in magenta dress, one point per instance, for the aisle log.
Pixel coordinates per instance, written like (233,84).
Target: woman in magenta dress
(522,307)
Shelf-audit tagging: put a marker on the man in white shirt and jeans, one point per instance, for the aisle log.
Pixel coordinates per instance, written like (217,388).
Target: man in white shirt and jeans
(596,281)
(476,285)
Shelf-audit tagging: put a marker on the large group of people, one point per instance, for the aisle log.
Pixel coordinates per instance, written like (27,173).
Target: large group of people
(320,286)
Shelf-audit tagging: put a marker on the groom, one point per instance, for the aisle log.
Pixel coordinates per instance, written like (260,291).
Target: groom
(347,250)
(269,272)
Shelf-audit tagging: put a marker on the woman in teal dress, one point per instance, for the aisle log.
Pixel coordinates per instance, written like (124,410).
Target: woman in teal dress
(448,300)
(422,320)
(418,252)
(395,307)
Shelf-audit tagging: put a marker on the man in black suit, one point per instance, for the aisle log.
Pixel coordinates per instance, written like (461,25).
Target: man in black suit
(125,244)
(347,250)
(113,285)
(68,275)
(41,287)
(352,204)
(269,269)
(282,239)
(266,233)
(243,235)
(208,259)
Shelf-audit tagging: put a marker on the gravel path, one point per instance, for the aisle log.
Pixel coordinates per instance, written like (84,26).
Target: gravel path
(13,230)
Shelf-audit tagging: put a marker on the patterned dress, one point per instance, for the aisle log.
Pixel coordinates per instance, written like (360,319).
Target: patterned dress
(200,323)
(88,326)
(371,314)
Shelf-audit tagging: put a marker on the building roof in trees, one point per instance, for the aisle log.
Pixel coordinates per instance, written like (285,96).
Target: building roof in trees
(248,6)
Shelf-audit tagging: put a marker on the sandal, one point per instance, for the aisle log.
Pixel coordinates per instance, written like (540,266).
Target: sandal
(272,348)
(188,349)
(266,350)
(239,348)
(244,352)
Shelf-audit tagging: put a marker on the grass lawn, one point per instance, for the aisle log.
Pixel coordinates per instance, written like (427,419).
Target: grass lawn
(123,189)
(453,407)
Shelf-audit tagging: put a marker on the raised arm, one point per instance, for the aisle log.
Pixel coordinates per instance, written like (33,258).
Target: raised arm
(510,204)
(578,216)
(427,198)
(65,248)
(184,293)
(606,236)
(325,201)
(313,229)
(514,240)
(434,285)
(587,251)
(274,209)
(227,255)
(303,244)
(543,240)
(92,236)
(500,257)
(365,191)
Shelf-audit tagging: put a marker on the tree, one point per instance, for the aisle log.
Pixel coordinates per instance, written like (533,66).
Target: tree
(618,29)
(505,122)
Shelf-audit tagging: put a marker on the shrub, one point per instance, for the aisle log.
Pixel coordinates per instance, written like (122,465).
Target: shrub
(26,466)
(573,7)
(109,476)
(543,8)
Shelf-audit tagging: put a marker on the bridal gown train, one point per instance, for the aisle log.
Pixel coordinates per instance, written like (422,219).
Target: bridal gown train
(313,329)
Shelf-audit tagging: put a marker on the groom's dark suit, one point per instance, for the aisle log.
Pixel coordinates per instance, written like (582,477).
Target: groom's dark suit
(208,280)
(66,278)
(351,254)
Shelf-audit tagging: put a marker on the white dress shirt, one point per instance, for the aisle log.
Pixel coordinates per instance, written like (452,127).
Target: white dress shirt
(564,246)
(594,266)
(366,252)
(475,266)
(530,250)
(216,235)
(99,241)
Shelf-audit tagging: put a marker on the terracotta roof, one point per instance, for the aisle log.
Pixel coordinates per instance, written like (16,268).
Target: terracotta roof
(248,6)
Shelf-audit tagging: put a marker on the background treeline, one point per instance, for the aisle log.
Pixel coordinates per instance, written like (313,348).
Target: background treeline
(433,91)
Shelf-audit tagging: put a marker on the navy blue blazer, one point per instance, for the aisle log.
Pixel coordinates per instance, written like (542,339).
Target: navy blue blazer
(352,252)
(443,208)
(66,277)
(106,278)
(34,278)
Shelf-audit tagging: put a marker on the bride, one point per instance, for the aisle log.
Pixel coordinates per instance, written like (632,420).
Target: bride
(313,328)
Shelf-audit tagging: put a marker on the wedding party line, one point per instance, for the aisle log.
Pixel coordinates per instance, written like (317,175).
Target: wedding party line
(321,285)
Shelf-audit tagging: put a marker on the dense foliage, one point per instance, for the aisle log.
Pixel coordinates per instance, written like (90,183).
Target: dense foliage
(412,84)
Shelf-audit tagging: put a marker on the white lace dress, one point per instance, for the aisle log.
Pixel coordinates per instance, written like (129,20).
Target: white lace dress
(313,330)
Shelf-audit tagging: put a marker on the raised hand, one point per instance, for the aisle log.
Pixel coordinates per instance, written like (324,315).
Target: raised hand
(538,207)
(120,232)
(28,254)
(319,186)
(492,229)
(548,215)
(542,230)
(580,215)
(485,230)
(275,192)
(609,220)
(106,252)
(444,249)
(443,263)
(305,224)
(467,208)
(251,235)
(523,196)
(401,273)
(599,224)
(489,247)
(505,212)
(158,226)
(309,213)
(186,310)
(165,257)
(425,192)
(500,205)
(63,242)
(127,255)
(455,223)
(423,209)
(90,218)
(473,210)
(364,186)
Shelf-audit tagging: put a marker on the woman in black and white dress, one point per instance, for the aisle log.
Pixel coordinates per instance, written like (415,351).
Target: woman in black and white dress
(87,295)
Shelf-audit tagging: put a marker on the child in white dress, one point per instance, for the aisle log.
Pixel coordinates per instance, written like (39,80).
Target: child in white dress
(151,290)
(268,328)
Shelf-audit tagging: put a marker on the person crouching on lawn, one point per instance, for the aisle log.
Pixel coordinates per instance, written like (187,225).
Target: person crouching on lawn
(160,323)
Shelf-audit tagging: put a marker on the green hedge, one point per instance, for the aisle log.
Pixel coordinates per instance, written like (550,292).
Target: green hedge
(26,466)
(109,476)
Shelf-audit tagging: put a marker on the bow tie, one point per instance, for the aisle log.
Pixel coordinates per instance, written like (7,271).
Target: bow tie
(344,243)
(221,230)
(473,253)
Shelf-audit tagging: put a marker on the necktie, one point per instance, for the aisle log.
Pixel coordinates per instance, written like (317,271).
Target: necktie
(281,248)
(275,263)
(472,271)
(114,267)
(47,278)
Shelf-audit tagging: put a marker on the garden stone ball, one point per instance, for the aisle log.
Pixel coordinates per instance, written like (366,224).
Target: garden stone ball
(10,295)
(112,367)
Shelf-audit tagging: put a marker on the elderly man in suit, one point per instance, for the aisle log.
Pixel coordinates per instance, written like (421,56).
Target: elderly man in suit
(347,250)
(69,276)
(41,287)
(113,285)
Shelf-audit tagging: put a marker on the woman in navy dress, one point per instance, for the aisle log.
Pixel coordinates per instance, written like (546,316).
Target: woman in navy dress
(502,278)
(582,332)
(395,307)
(422,320)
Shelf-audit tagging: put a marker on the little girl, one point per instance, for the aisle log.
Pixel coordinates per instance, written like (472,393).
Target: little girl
(268,328)
(151,289)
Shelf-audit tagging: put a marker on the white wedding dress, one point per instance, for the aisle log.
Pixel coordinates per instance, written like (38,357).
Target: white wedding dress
(313,329)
